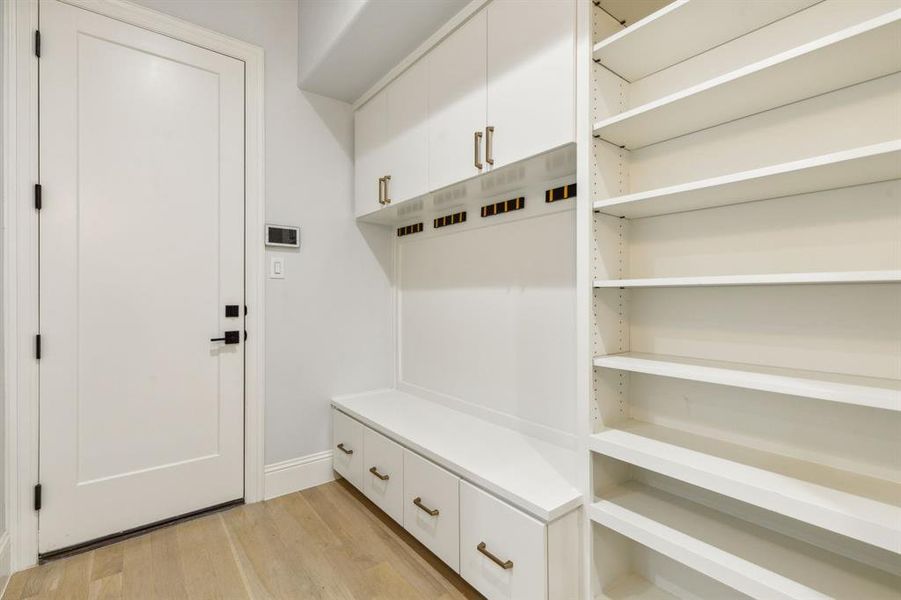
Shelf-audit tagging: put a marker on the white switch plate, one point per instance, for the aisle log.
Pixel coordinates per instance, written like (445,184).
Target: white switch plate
(276,267)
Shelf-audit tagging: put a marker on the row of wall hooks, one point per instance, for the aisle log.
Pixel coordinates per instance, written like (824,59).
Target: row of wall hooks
(563,192)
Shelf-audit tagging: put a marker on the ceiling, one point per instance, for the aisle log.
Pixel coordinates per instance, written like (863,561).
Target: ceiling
(346,46)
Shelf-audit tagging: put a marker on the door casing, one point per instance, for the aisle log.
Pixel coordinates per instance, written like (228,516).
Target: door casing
(20,252)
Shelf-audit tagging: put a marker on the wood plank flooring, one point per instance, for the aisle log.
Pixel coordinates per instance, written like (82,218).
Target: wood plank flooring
(325,542)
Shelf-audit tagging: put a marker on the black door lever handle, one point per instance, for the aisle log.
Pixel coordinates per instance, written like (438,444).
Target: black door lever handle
(230,337)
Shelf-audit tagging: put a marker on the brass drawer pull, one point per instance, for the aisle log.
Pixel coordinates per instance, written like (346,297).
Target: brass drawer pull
(504,564)
(375,472)
(477,149)
(489,145)
(418,502)
(344,450)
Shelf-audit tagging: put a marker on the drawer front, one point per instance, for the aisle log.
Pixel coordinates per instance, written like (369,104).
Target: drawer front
(508,535)
(436,490)
(383,473)
(347,454)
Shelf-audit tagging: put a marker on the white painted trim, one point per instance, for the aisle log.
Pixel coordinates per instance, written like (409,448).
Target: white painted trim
(584,290)
(445,30)
(5,556)
(20,249)
(298,474)
(19,239)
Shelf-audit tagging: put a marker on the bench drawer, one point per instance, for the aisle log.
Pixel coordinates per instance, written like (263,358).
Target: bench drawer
(429,488)
(383,473)
(347,455)
(503,551)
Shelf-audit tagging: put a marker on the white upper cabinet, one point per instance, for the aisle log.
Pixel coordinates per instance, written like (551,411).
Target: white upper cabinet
(370,153)
(456,92)
(531,77)
(408,134)
(499,89)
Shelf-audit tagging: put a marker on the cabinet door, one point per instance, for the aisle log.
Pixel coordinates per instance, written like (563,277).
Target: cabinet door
(456,69)
(383,473)
(347,457)
(370,139)
(432,507)
(503,552)
(407,156)
(531,77)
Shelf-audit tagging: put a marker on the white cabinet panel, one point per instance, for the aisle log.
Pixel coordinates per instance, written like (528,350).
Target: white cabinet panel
(502,550)
(432,507)
(370,153)
(456,74)
(531,76)
(407,130)
(347,457)
(383,473)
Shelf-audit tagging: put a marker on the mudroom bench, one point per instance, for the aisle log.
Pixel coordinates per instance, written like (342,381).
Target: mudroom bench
(498,506)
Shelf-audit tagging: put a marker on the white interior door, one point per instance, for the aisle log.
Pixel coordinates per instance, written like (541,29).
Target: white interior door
(142,242)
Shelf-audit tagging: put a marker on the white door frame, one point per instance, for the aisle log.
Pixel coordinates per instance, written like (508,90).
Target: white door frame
(20,251)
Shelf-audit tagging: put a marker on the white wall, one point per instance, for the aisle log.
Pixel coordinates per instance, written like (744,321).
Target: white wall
(329,327)
(346,46)
(487,316)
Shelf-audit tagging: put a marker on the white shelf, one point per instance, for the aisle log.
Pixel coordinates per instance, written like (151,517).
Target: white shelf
(839,277)
(870,164)
(860,507)
(533,475)
(853,55)
(634,587)
(748,558)
(682,29)
(872,392)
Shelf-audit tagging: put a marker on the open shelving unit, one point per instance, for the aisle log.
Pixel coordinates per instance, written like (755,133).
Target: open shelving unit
(742,281)
(893,276)
(853,55)
(873,392)
(746,557)
(659,40)
(871,164)
(860,507)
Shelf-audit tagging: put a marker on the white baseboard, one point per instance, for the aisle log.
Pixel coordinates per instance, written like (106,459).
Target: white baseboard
(5,562)
(298,474)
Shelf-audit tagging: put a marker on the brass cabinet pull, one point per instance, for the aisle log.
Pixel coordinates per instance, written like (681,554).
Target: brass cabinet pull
(344,450)
(504,564)
(382,191)
(477,149)
(387,199)
(418,502)
(489,144)
(375,472)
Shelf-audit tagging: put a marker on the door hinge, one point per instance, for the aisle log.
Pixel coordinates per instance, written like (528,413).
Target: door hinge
(37,497)
(37,196)
(245,335)
(37,346)
(37,43)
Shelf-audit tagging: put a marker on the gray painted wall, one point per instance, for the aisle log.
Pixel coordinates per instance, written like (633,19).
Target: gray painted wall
(329,325)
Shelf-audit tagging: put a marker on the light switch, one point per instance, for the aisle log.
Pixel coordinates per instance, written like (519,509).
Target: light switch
(277,267)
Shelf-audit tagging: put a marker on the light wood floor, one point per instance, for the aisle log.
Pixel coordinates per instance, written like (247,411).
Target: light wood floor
(325,542)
